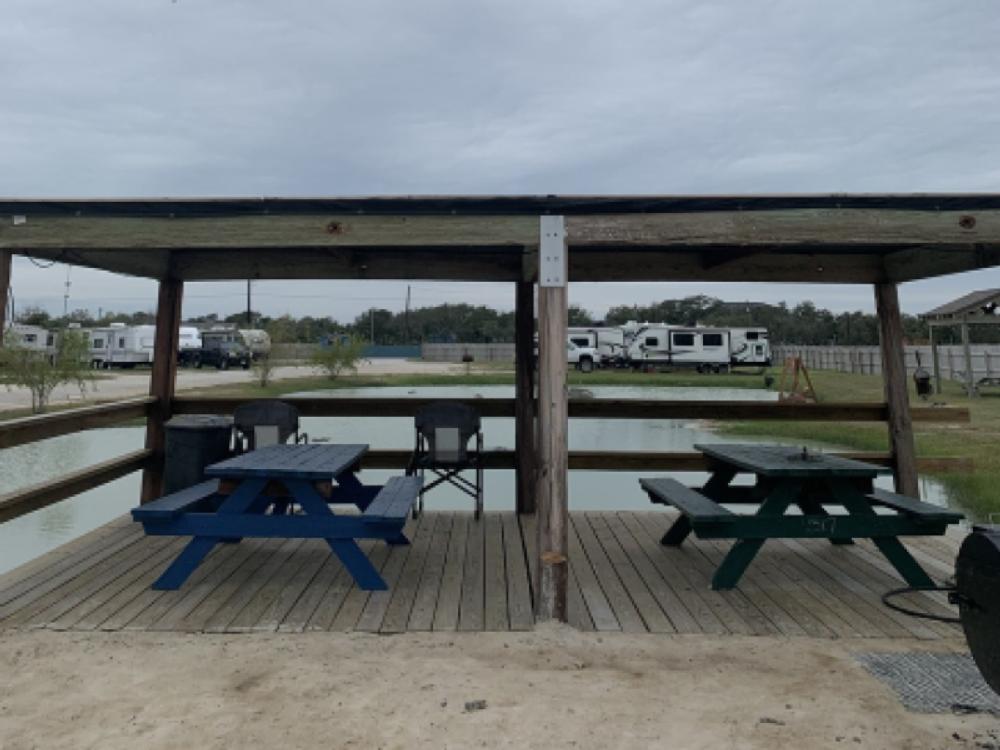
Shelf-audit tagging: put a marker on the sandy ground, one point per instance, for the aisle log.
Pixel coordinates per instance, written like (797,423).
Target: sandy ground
(126,383)
(551,688)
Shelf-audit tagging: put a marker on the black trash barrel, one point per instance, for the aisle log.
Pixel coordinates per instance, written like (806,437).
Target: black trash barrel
(977,584)
(922,381)
(193,442)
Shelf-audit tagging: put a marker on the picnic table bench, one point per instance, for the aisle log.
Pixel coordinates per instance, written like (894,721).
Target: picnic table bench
(255,506)
(788,477)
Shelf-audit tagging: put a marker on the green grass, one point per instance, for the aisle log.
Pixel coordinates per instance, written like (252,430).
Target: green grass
(977,492)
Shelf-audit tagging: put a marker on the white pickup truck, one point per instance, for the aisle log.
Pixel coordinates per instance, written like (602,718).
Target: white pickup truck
(585,358)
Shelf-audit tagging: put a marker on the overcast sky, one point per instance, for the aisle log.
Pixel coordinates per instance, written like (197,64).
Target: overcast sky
(131,98)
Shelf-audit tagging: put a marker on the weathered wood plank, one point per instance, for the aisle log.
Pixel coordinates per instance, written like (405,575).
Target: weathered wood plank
(552,460)
(29,591)
(890,335)
(654,618)
(37,496)
(98,586)
(671,604)
(162,382)
(495,617)
(524,401)
(426,599)
(733,608)
(32,572)
(189,608)
(342,605)
(591,408)
(90,617)
(597,604)
(223,617)
(682,579)
(267,598)
(446,611)
(519,607)
(621,604)
(404,592)
(473,597)
(373,614)
(43,426)
(315,594)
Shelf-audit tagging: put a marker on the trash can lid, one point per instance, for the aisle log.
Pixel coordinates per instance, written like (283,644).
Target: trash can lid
(199,422)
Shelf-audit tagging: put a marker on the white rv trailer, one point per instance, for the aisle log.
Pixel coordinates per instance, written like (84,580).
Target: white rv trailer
(119,345)
(704,349)
(34,338)
(749,346)
(609,343)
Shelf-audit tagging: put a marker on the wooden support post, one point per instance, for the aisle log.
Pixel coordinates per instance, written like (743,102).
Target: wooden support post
(161,383)
(970,382)
(553,424)
(935,361)
(6,258)
(524,395)
(890,329)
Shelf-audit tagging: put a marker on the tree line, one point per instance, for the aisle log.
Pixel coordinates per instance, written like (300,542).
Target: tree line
(803,323)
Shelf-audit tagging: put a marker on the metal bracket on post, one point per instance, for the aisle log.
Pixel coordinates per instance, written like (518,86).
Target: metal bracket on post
(552,251)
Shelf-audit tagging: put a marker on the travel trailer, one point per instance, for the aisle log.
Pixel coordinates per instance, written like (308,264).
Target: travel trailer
(609,343)
(119,345)
(34,338)
(704,349)
(749,346)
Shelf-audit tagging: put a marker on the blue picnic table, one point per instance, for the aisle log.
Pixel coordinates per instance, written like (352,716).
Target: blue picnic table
(283,492)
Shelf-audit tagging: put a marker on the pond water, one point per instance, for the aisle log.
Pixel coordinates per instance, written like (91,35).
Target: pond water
(29,536)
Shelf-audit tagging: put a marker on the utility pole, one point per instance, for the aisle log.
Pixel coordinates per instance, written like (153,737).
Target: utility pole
(66,293)
(371,319)
(249,314)
(406,316)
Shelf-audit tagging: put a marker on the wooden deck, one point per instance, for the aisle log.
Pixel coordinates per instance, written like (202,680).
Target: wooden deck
(460,574)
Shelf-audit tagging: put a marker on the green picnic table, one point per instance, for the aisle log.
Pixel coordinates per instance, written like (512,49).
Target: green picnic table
(835,497)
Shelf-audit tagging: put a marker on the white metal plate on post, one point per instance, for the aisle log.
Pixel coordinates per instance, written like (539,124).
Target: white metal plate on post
(552,251)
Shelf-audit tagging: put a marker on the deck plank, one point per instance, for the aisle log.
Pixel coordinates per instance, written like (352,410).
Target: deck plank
(621,603)
(222,617)
(426,594)
(463,574)
(732,608)
(25,592)
(450,592)
(698,605)
(471,610)
(267,596)
(404,592)
(599,609)
(495,574)
(653,617)
(520,612)
(681,620)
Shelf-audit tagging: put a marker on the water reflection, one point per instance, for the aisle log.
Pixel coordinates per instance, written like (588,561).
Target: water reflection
(33,534)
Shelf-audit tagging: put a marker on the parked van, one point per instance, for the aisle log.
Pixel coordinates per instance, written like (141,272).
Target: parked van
(223,348)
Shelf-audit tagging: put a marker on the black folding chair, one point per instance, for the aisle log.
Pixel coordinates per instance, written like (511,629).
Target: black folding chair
(444,430)
(266,422)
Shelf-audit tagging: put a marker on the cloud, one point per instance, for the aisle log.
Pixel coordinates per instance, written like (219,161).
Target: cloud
(232,97)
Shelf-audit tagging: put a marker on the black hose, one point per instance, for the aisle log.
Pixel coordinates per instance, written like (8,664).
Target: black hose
(914,613)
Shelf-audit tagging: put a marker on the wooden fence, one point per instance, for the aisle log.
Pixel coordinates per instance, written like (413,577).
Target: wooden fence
(14,432)
(866,360)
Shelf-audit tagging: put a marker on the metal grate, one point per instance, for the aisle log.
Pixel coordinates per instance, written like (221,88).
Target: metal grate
(933,683)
